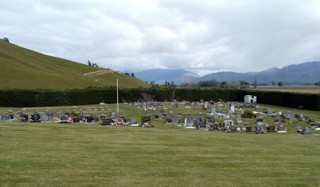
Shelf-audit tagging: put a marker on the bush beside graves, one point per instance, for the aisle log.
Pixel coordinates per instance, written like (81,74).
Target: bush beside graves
(248,114)
(30,98)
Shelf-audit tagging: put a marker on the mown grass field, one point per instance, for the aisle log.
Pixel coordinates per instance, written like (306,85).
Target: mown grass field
(92,155)
(95,155)
(297,89)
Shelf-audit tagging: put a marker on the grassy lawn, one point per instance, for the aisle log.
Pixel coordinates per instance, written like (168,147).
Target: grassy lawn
(94,155)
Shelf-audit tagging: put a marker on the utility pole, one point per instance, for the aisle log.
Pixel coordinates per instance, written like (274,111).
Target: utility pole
(117,96)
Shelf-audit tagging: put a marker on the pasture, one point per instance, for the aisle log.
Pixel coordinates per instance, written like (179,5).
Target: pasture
(296,89)
(51,154)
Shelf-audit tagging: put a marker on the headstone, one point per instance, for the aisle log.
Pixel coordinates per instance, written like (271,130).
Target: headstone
(233,129)
(306,131)
(271,128)
(133,121)
(171,114)
(232,108)
(281,127)
(185,122)
(161,111)
(144,106)
(213,111)
(215,127)
(227,116)
(206,105)
(190,125)
(216,116)
(212,120)
(259,128)
(248,129)
(169,120)
(45,117)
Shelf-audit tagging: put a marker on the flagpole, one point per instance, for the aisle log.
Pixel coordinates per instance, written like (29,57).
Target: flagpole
(117,96)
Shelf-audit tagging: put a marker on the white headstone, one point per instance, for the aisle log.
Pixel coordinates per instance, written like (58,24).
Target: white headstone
(232,108)
(213,111)
(185,122)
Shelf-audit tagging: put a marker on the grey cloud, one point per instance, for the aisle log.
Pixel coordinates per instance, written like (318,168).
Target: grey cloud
(203,36)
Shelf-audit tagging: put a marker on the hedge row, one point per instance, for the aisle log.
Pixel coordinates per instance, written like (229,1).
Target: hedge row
(32,98)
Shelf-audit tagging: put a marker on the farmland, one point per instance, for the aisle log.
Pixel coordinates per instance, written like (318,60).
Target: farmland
(52,154)
(297,89)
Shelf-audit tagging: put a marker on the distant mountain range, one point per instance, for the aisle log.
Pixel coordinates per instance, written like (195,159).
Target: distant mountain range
(308,72)
(305,73)
(160,76)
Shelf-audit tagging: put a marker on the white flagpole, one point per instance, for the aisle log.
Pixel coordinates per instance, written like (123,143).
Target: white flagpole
(117,96)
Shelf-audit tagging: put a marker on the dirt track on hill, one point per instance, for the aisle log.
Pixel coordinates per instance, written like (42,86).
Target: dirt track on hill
(96,73)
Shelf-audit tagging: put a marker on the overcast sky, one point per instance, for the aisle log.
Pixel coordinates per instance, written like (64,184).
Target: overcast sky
(197,35)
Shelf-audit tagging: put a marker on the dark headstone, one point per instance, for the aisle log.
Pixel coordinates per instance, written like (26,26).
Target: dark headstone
(306,131)
(233,128)
(248,129)
(271,129)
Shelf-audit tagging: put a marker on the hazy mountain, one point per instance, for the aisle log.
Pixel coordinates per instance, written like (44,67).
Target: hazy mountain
(159,76)
(294,74)
(308,72)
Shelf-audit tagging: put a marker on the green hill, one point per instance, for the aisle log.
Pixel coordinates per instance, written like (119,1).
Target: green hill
(25,69)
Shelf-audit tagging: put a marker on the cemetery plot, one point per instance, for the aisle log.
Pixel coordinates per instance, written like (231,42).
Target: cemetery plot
(203,115)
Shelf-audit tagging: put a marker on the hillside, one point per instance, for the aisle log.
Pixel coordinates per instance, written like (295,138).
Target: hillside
(25,69)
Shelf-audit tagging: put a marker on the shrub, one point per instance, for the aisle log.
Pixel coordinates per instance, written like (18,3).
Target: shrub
(248,114)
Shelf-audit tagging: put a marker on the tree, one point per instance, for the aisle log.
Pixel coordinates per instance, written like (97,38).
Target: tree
(317,83)
(205,84)
(223,84)
(6,40)
(89,63)
(255,83)
(273,83)
(132,75)
(243,84)
(280,83)
(172,84)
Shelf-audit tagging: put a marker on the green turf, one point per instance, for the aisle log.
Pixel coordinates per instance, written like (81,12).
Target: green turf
(94,155)
(25,69)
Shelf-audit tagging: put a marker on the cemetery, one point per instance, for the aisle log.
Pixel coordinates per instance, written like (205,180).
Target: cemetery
(177,143)
(202,115)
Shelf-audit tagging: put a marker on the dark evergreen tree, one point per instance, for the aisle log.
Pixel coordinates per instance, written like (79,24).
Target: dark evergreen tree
(6,40)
